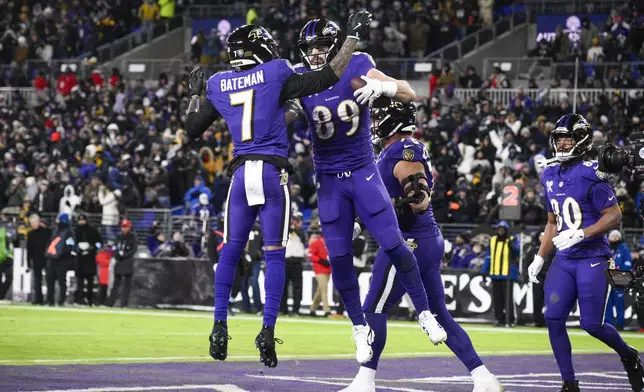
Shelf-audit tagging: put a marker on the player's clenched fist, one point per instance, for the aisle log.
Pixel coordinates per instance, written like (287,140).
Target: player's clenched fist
(196,81)
(568,238)
(358,24)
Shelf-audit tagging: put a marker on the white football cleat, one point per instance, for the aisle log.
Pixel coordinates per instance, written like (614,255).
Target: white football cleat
(432,328)
(358,385)
(489,385)
(363,338)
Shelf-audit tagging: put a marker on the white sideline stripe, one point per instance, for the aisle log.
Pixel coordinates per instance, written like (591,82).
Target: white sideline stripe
(421,354)
(315,380)
(110,333)
(220,388)
(295,321)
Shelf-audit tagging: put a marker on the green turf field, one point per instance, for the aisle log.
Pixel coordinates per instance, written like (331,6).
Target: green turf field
(37,335)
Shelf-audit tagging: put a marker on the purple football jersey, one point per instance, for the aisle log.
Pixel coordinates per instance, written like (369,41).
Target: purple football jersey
(339,125)
(410,150)
(577,195)
(249,101)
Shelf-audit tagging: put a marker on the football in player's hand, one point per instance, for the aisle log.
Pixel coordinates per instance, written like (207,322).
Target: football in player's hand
(380,102)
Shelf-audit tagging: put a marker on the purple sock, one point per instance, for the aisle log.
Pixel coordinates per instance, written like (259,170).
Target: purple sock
(225,276)
(274,283)
(407,270)
(377,322)
(561,347)
(346,282)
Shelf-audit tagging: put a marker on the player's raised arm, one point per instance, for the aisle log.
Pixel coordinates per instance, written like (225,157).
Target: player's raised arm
(303,84)
(200,114)
(377,84)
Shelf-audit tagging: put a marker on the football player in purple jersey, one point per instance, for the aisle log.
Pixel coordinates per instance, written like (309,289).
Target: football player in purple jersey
(582,208)
(252,98)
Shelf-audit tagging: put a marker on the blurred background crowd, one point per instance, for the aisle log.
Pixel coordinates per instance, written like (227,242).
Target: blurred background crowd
(98,144)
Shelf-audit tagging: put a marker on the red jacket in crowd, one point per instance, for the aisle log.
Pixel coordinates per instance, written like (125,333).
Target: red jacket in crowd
(40,83)
(65,83)
(103,260)
(319,256)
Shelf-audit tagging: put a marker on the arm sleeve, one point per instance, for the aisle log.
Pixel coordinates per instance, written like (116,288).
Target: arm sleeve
(307,83)
(198,122)
(602,196)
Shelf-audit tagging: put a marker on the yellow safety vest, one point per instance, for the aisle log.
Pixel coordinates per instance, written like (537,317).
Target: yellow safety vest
(500,256)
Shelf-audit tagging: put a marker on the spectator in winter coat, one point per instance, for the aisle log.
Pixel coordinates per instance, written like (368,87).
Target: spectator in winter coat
(110,203)
(463,254)
(103,260)
(88,242)
(37,241)
(319,256)
(69,201)
(192,196)
(126,245)
(45,200)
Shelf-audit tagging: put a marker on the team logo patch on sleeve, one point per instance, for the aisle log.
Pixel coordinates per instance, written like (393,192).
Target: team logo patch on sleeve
(601,175)
(408,155)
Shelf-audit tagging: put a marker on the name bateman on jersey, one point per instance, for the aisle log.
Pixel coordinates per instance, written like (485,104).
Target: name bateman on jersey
(242,82)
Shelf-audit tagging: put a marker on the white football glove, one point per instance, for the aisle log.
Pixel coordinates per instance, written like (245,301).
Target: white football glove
(374,89)
(356,230)
(568,238)
(535,268)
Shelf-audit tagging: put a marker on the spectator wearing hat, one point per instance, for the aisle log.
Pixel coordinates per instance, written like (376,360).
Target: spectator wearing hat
(88,242)
(501,265)
(295,253)
(125,249)
(37,240)
(192,195)
(623,261)
(59,259)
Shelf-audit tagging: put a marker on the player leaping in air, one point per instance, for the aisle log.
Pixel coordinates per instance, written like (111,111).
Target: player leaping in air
(348,179)
(582,207)
(406,171)
(252,99)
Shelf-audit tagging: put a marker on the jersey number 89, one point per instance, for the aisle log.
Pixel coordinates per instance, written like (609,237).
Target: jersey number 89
(348,111)
(570,213)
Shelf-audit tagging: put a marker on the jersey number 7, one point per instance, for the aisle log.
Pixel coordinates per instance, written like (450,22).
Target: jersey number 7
(246,99)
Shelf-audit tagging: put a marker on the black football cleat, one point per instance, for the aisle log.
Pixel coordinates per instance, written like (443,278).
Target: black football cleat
(219,341)
(570,386)
(633,366)
(265,343)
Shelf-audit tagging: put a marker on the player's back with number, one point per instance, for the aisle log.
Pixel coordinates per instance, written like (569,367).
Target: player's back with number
(249,102)
(577,195)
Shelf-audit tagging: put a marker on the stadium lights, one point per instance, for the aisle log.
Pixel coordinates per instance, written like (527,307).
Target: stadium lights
(423,67)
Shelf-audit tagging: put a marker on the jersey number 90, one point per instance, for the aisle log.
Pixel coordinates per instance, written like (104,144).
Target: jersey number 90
(348,111)
(569,212)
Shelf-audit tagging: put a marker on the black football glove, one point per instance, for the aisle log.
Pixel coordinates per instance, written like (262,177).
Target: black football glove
(358,24)
(404,213)
(196,82)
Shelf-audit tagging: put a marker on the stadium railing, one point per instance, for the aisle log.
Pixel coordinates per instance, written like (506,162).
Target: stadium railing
(459,48)
(505,96)
(545,68)
(573,6)
(142,221)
